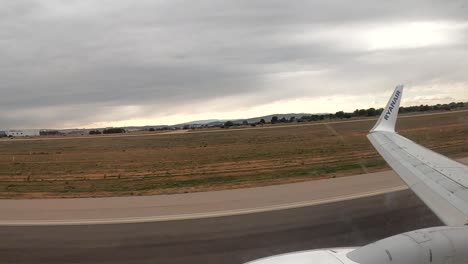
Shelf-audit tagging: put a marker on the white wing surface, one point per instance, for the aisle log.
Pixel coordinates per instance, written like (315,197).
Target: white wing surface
(441,183)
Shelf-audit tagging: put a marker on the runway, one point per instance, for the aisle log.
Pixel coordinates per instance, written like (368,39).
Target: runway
(232,226)
(119,210)
(233,239)
(141,209)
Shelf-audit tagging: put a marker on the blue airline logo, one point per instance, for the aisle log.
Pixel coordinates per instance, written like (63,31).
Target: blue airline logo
(392,105)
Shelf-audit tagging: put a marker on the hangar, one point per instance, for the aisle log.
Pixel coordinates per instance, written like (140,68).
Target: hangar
(22,133)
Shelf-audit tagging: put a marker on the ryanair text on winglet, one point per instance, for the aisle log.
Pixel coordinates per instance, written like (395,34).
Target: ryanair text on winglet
(392,105)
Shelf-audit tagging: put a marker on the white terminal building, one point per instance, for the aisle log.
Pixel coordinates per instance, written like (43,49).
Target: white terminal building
(22,132)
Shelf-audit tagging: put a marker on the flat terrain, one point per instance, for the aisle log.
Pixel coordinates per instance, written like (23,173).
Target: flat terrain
(154,208)
(227,240)
(200,161)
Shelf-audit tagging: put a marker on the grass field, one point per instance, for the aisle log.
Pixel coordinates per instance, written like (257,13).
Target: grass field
(197,161)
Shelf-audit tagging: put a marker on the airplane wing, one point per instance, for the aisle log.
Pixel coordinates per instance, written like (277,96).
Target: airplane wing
(441,183)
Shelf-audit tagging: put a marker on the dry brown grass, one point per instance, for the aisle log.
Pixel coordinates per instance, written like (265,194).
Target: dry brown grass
(199,161)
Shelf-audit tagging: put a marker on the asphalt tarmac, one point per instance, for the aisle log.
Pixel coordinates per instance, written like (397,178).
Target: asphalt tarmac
(227,239)
(137,209)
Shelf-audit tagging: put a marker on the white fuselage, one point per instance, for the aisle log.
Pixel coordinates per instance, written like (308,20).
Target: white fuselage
(322,256)
(436,245)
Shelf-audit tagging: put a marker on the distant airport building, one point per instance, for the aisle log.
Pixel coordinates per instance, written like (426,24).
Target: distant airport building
(22,133)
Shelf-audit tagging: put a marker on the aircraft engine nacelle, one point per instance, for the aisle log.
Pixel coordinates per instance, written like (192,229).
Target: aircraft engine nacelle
(439,245)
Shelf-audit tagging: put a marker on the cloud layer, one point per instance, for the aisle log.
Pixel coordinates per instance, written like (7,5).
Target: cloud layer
(94,63)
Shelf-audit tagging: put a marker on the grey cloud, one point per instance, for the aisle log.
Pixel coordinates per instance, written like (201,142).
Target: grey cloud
(79,58)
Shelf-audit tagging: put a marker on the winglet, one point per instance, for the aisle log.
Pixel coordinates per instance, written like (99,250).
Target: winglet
(389,115)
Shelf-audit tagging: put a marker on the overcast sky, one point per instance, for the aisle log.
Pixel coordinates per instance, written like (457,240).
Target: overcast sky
(93,63)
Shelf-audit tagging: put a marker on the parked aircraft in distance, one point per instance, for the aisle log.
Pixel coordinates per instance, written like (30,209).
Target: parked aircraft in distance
(440,182)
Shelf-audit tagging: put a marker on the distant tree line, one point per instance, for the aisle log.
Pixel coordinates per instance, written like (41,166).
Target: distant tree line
(107,131)
(113,130)
(49,133)
(437,107)
(370,112)
(95,132)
